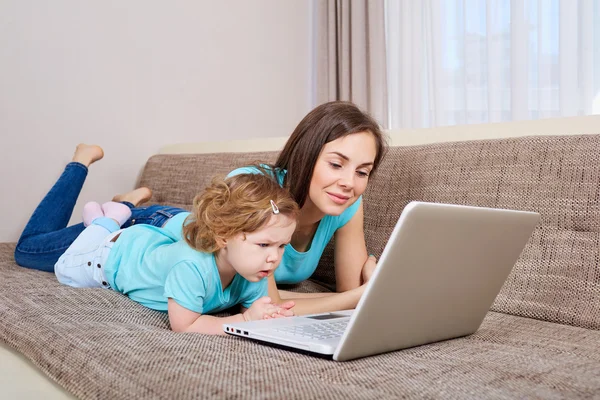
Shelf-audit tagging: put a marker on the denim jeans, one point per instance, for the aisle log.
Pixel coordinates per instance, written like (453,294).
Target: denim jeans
(46,236)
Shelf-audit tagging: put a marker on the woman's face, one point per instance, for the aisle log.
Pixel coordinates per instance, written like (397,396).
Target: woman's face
(342,172)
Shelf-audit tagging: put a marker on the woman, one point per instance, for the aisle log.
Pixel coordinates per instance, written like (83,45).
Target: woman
(326,164)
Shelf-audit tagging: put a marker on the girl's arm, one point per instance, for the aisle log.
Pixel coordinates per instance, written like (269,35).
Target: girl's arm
(184,320)
(350,253)
(326,302)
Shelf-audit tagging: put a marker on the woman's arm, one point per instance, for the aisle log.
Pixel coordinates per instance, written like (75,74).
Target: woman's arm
(327,302)
(350,253)
(286,294)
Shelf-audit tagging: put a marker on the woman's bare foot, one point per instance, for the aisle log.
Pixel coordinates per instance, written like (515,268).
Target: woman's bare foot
(135,197)
(87,154)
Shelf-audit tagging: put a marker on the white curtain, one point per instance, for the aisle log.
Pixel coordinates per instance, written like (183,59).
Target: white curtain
(474,61)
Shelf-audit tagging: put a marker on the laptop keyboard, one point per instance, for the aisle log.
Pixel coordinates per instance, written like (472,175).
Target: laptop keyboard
(321,330)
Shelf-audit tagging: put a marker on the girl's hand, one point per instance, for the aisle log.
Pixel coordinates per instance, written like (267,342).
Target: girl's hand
(368,269)
(283,311)
(264,308)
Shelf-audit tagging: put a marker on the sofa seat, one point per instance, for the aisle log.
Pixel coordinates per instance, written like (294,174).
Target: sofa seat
(98,344)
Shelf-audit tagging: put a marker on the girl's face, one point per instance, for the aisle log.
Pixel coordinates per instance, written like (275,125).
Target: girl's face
(342,172)
(256,255)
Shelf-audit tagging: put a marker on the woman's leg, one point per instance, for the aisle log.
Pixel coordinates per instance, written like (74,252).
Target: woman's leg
(46,235)
(41,249)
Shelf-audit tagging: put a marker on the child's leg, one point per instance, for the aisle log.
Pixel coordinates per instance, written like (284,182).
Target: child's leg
(117,211)
(91,211)
(78,266)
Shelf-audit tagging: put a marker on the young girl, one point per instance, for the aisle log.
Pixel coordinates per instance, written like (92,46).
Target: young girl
(197,264)
(326,164)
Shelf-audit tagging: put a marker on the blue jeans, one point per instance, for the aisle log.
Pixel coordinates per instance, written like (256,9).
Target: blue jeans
(46,236)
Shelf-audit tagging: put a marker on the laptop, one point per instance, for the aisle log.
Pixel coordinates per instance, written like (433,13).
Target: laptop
(436,279)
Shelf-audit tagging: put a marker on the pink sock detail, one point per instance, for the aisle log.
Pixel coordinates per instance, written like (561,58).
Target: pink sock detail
(91,211)
(117,211)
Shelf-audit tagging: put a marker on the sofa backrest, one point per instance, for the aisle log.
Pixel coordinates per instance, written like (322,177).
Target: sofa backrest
(176,178)
(557,277)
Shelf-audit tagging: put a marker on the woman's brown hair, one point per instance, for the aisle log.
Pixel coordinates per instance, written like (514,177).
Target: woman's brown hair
(234,205)
(325,123)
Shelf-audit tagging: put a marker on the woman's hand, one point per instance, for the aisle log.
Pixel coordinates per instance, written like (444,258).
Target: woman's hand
(264,308)
(368,269)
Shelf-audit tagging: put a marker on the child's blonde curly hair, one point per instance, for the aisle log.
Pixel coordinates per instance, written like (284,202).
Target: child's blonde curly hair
(234,205)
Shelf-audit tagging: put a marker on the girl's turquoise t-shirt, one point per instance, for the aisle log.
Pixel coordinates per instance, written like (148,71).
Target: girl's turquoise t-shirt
(298,266)
(151,265)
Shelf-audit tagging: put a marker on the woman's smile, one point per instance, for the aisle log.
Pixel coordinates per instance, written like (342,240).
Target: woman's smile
(338,198)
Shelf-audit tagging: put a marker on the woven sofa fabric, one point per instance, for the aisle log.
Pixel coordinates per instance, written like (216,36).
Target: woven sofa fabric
(176,178)
(557,277)
(98,344)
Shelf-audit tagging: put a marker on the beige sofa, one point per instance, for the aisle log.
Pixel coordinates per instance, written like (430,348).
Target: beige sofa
(541,338)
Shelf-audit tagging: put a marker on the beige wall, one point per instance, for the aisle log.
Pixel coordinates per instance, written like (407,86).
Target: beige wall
(136,75)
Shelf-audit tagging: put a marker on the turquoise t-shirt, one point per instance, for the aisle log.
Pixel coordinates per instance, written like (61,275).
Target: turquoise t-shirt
(298,266)
(151,265)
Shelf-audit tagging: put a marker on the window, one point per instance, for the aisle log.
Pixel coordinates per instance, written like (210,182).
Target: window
(474,61)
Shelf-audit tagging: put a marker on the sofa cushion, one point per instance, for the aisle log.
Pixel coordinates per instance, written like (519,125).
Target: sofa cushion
(97,343)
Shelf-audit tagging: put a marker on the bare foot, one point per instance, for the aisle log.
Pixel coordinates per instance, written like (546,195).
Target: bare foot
(135,197)
(87,154)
